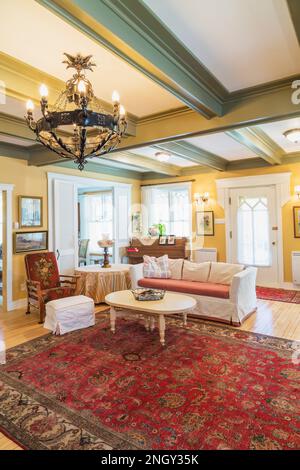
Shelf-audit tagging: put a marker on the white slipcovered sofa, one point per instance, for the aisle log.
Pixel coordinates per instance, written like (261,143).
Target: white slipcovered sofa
(224,292)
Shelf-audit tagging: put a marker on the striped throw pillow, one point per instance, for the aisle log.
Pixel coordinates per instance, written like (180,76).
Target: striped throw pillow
(156,267)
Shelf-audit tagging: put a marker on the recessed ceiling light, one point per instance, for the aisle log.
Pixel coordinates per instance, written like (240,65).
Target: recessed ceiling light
(293,135)
(162,156)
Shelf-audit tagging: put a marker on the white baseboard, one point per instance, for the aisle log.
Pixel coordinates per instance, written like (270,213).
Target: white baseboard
(15,304)
(290,285)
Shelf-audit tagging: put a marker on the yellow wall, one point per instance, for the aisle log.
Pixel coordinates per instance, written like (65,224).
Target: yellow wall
(206,182)
(32,181)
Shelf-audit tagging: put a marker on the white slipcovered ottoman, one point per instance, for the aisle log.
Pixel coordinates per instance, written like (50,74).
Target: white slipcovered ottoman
(69,314)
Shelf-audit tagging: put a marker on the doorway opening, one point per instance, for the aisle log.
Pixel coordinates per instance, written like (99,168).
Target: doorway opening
(95,222)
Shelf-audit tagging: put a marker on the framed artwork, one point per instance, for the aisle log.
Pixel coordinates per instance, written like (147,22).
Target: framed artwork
(30,241)
(171,240)
(30,211)
(162,240)
(296,213)
(205,223)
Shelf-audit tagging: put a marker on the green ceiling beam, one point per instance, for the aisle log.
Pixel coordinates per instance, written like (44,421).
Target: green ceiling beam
(294,8)
(134,33)
(104,170)
(147,164)
(259,142)
(13,151)
(194,154)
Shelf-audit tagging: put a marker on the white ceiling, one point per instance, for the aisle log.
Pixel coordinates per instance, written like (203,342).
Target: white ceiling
(149,152)
(34,35)
(222,145)
(242,42)
(275,130)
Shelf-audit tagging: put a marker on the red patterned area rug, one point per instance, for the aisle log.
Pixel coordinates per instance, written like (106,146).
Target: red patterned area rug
(210,387)
(281,295)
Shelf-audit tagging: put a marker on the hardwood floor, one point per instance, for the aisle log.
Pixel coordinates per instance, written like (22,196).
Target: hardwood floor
(272,318)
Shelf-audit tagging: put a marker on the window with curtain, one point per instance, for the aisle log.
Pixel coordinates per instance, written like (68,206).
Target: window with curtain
(96,217)
(169,205)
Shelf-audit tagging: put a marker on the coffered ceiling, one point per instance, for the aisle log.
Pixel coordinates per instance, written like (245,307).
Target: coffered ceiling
(208,81)
(244,43)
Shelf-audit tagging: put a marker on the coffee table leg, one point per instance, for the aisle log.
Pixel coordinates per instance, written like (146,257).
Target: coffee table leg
(162,328)
(147,323)
(152,323)
(184,319)
(112,319)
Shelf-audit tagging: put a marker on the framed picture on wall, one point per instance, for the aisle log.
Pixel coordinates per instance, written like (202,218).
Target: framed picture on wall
(30,211)
(30,241)
(296,214)
(205,223)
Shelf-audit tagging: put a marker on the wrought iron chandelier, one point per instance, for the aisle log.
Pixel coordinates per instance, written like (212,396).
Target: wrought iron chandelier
(94,132)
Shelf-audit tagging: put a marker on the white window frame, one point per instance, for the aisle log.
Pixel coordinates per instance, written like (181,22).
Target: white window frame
(168,186)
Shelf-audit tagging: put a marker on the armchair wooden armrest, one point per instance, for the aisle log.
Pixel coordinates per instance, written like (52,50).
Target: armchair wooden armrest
(35,297)
(69,280)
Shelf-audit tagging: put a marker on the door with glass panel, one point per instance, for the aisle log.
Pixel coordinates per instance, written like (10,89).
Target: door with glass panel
(253,233)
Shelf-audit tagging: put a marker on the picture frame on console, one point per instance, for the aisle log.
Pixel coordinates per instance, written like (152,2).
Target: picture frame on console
(205,223)
(162,240)
(171,240)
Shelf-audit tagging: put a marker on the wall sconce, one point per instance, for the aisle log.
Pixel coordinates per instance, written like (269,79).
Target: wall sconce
(297,191)
(204,197)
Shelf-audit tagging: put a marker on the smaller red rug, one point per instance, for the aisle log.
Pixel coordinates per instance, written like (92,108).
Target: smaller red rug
(281,295)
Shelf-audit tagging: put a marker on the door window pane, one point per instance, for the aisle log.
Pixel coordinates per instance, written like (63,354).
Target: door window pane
(253,232)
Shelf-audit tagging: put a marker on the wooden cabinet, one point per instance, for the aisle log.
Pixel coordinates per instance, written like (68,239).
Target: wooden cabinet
(155,249)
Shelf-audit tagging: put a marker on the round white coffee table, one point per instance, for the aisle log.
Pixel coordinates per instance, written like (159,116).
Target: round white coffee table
(171,304)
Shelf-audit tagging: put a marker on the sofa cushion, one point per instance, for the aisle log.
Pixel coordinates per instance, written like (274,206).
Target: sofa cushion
(175,266)
(222,273)
(187,287)
(196,271)
(156,267)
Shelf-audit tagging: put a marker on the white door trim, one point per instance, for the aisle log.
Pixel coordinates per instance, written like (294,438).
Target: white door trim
(8,189)
(282,183)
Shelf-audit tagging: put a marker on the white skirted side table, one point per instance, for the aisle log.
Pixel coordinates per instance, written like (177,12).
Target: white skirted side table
(171,304)
(97,282)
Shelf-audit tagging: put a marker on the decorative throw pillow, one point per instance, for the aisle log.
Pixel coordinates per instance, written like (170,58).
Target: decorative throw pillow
(222,273)
(156,267)
(175,266)
(196,271)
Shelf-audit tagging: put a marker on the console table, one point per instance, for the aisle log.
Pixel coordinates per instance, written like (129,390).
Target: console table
(151,247)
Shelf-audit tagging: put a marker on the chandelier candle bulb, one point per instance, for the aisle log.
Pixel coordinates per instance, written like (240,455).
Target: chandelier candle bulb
(81,87)
(29,106)
(115,97)
(43,91)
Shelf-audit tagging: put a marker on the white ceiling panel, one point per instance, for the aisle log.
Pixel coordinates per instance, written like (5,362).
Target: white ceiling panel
(242,42)
(222,145)
(275,131)
(34,35)
(149,152)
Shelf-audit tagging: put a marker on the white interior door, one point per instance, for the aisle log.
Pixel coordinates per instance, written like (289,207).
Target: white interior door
(254,231)
(122,220)
(65,225)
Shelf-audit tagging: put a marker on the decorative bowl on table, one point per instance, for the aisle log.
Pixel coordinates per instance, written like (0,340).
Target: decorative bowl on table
(148,294)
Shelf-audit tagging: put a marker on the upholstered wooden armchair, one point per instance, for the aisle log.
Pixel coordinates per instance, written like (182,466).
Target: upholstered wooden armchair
(44,283)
